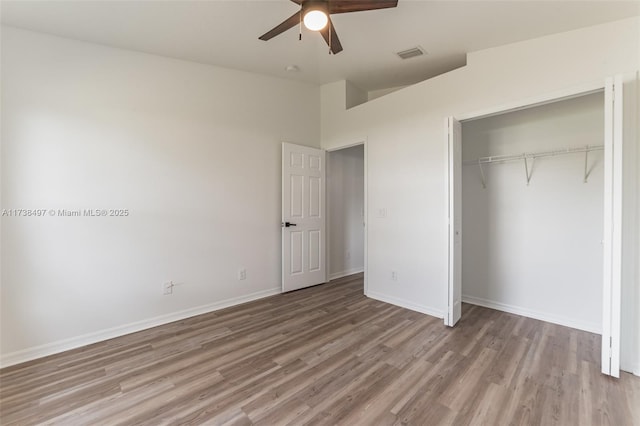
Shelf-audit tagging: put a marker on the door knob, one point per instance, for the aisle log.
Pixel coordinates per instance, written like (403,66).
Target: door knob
(288,224)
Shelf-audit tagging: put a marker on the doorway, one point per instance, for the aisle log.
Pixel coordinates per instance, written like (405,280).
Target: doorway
(346,211)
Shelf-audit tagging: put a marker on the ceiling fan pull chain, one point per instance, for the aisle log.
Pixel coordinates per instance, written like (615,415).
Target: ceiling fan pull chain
(300,27)
(329,29)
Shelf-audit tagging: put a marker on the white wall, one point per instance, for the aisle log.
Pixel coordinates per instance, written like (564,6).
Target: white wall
(536,249)
(406,153)
(345,194)
(192,151)
(354,95)
(375,94)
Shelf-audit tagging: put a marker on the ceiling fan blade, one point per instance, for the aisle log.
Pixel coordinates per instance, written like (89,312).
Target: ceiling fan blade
(298,1)
(290,22)
(334,41)
(345,6)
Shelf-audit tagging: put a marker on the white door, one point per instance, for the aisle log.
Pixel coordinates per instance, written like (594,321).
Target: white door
(303,217)
(612,268)
(454,149)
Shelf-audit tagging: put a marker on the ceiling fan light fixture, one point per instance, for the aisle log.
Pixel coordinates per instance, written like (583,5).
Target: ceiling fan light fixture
(315,19)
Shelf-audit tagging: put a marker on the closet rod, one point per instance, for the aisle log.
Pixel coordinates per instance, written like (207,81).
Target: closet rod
(533,155)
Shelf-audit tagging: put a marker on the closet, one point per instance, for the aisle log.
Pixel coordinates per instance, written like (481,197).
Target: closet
(532,211)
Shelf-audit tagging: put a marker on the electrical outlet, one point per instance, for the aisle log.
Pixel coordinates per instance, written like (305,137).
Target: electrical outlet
(394,275)
(167,288)
(242,274)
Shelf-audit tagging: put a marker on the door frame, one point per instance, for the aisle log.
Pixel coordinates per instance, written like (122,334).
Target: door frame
(453,130)
(339,147)
(613,197)
(612,232)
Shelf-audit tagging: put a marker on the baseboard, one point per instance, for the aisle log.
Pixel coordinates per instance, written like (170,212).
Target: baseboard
(337,275)
(110,333)
(636,370)
(542,316)
(406,304)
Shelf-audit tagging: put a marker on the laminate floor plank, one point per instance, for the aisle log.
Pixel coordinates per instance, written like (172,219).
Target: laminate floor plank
(326,355)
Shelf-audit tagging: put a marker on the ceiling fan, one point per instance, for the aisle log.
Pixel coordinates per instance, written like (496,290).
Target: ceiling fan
(316,16)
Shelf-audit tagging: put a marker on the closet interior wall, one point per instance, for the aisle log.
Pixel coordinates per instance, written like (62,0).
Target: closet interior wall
(535,248)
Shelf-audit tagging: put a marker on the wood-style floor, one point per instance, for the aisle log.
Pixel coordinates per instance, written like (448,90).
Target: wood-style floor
(327,355)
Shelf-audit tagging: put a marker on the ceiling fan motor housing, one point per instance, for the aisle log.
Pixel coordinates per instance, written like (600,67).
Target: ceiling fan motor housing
(321,6)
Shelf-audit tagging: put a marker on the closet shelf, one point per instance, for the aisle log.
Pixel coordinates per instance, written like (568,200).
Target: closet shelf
(526,156)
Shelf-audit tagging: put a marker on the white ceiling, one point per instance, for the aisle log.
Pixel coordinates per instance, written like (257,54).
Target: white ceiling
(225,33)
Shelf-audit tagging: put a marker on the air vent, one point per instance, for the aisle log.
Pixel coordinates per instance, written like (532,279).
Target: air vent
(410,53)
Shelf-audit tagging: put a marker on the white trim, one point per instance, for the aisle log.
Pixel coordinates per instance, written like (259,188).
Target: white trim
(449,184)
(40,351)
(366,218)
(447,220)
(618,215)
(346,145)
(613,217)
(635,366)
(406,304)
(352,271)
(454,288)
(327,218)
(530,313)
(605,357)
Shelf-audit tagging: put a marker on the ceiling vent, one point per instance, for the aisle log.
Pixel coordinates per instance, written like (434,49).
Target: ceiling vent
(410,53)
